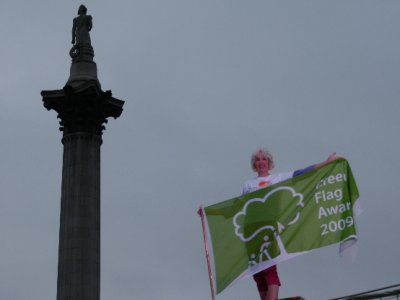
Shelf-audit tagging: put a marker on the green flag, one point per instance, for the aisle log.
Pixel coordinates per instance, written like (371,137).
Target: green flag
(255,231)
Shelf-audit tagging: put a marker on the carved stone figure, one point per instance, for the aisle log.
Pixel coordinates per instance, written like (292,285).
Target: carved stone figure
(83,68)
(81,27)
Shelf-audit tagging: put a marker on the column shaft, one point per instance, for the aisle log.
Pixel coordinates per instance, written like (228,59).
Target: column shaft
(79,243)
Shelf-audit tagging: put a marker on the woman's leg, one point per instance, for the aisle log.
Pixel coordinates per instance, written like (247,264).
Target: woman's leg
(263,295)
(272,293)
(268,283)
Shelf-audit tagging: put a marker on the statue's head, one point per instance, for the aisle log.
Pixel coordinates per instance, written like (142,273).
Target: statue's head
(82,10)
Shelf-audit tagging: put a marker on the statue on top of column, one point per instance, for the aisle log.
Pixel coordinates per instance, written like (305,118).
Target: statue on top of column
(82,48)
(81,27)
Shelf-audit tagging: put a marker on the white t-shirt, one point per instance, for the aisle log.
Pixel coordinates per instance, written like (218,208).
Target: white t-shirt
(262,182)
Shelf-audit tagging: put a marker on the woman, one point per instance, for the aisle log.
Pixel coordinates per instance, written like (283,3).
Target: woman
(262,163)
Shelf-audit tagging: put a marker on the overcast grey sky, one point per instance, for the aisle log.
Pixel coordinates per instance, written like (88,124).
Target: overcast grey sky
(205,83)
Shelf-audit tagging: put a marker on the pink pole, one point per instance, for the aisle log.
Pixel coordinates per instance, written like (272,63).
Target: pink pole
(210,275)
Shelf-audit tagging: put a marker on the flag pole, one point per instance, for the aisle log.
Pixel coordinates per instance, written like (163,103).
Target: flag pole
(210,275)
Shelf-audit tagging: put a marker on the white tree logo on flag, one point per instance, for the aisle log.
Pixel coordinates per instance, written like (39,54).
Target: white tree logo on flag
(259,225)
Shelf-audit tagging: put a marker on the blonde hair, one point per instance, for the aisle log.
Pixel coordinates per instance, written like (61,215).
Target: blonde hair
(266,154)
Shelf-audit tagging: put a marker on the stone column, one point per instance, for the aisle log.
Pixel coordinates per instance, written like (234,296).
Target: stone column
(79,246)
(82,111)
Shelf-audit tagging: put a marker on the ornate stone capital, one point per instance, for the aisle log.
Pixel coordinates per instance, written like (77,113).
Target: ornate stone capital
(84,108)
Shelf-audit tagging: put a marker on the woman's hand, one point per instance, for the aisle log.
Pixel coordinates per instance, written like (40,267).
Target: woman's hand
(330,158)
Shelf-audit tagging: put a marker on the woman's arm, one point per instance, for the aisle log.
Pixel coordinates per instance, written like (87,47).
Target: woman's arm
(330,158)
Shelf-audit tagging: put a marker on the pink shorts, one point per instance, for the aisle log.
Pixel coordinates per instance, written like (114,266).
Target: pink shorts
(267,277)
